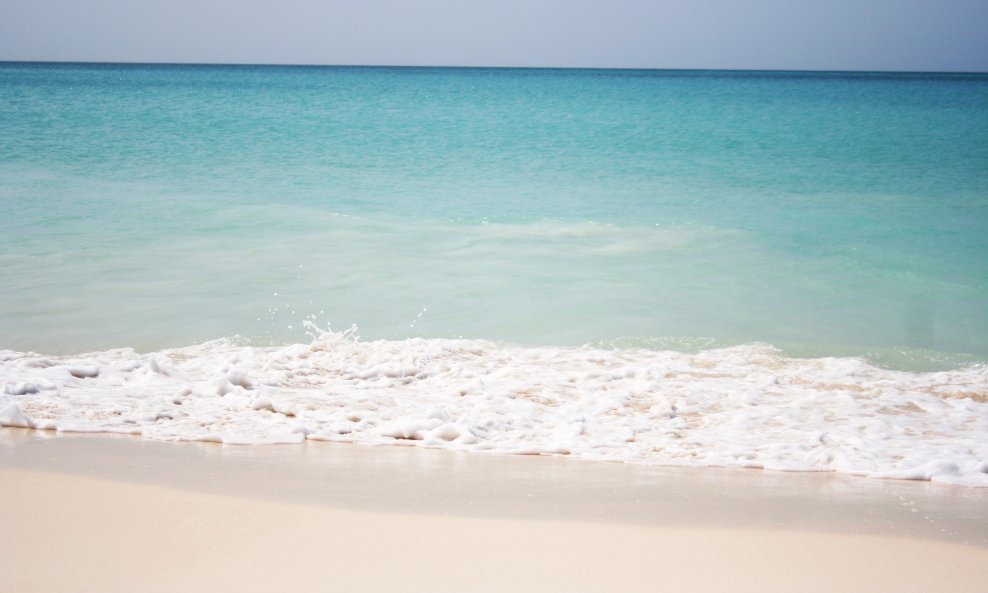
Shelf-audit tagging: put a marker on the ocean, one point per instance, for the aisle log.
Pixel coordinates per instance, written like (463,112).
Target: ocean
(785,270)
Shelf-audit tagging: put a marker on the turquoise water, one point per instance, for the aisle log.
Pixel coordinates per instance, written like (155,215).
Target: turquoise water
(826,214)
(742,252)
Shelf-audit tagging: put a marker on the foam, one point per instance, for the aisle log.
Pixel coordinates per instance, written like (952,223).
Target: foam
(742,406)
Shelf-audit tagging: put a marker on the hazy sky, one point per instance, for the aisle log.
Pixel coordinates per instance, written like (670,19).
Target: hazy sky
(769,34)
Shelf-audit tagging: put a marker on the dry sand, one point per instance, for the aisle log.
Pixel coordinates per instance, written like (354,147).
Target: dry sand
(102,513)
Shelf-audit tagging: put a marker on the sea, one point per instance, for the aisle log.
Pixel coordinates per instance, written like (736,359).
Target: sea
(780,270)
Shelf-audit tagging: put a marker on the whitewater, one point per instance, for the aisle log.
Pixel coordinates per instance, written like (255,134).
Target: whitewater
(745,406)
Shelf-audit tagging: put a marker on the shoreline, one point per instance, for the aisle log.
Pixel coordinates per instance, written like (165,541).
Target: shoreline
(439,481)
(122,513)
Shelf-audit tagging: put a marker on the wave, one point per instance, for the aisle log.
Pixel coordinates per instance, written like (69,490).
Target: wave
(739,406)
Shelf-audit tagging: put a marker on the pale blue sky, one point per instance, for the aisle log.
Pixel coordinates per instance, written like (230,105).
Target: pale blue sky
(926,35)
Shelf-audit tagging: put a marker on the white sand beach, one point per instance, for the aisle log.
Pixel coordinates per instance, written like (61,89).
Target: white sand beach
(111,513)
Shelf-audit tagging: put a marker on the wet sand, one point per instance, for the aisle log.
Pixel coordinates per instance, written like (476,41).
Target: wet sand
(113,513)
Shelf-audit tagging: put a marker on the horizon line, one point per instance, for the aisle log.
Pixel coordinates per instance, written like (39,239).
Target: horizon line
(451,67)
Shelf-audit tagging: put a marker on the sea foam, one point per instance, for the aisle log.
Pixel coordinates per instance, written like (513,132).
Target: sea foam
(744,406)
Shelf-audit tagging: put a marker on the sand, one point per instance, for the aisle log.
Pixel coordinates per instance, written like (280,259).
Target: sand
(83,512)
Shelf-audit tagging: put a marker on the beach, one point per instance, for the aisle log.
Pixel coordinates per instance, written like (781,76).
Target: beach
(119,514)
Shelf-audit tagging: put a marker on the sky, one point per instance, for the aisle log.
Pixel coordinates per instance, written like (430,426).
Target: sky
(912,35)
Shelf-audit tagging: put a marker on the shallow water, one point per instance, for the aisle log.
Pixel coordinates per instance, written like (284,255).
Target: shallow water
(154,206)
